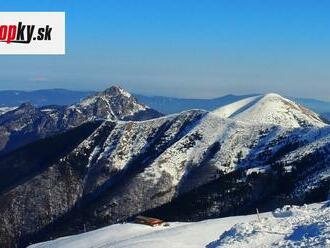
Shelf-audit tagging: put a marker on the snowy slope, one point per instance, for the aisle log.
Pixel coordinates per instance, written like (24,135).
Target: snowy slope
(291,226)
(140,236)
(230,109)
(271,109)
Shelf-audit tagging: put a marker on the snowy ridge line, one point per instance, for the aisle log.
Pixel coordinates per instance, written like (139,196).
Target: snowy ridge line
(234,108)
(4,110)
(270,108)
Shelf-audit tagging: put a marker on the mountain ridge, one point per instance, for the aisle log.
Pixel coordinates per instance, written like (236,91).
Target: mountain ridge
(19,126)
(196,161)
(163,104)
(270,108)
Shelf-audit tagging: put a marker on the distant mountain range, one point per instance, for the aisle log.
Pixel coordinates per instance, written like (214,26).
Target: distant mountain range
(166,105)
(12,98)
(261,151)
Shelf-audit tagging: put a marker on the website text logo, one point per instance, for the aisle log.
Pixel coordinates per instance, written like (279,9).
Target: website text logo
(32,33)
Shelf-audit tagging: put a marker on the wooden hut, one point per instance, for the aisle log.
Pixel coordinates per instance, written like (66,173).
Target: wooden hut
(148,221)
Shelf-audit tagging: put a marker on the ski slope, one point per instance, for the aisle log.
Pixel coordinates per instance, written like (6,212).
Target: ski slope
(291,226)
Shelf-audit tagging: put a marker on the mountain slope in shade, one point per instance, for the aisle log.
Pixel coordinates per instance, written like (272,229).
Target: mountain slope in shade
(188,166)
(27,123)
(270,109)
(113,154)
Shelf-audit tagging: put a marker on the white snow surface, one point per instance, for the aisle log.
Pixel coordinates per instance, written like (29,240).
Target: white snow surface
(124,92)
(270,109)
(290,226)
(4,110)
(228,110)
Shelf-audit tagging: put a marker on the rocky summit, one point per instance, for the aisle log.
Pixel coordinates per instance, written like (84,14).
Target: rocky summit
(27,123)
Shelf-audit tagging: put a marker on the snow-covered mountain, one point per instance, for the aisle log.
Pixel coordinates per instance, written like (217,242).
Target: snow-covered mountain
(27,123)
(169,105)
(290,226)
(112,104)
(189,166)
(270,109)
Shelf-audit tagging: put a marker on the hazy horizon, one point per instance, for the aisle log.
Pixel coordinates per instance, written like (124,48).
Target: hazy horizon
(170,96)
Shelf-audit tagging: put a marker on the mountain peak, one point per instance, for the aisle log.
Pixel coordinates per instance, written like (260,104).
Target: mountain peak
(113,97)
(273,95)
(270,108)
(26,105)
(116,90)
(114,103)
(25,108)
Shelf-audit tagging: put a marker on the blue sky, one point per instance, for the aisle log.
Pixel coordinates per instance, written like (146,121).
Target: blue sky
(182,48)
